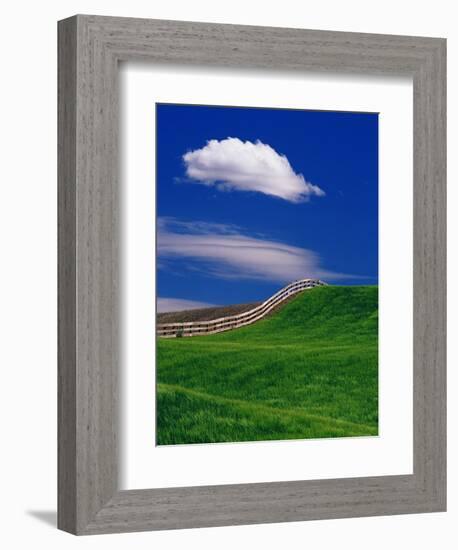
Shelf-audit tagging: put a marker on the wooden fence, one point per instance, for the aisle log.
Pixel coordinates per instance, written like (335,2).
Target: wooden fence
(200,328)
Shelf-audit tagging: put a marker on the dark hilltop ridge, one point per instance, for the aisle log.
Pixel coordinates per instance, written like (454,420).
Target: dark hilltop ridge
(204,314)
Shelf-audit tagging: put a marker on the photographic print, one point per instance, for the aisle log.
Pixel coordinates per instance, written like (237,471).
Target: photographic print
(267,274)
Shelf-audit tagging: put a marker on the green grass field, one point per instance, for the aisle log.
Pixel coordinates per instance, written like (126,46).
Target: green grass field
(310,370)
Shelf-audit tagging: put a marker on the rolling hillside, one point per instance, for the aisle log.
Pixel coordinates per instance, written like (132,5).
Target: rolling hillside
(308,371)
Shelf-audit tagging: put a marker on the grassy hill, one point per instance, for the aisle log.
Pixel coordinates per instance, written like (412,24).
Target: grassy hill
(308,371)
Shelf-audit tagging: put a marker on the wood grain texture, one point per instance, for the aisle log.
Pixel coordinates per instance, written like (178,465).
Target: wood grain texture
(67,437)
(90,48)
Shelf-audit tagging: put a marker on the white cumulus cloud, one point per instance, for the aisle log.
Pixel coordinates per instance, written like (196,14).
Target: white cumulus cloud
(245,166)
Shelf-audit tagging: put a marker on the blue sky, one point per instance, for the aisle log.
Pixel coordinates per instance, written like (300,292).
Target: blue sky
(249,199)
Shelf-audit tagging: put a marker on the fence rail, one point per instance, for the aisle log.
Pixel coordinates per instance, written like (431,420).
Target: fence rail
(201,328)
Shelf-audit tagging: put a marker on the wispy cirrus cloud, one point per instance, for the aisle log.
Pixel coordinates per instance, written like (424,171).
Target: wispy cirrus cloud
(233,164)
(167,305)
(225,251)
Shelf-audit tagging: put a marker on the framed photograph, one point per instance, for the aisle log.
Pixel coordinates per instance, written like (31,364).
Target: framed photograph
(251,275)
(236,226)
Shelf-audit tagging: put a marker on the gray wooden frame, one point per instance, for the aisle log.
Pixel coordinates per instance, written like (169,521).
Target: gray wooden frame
(90,48)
